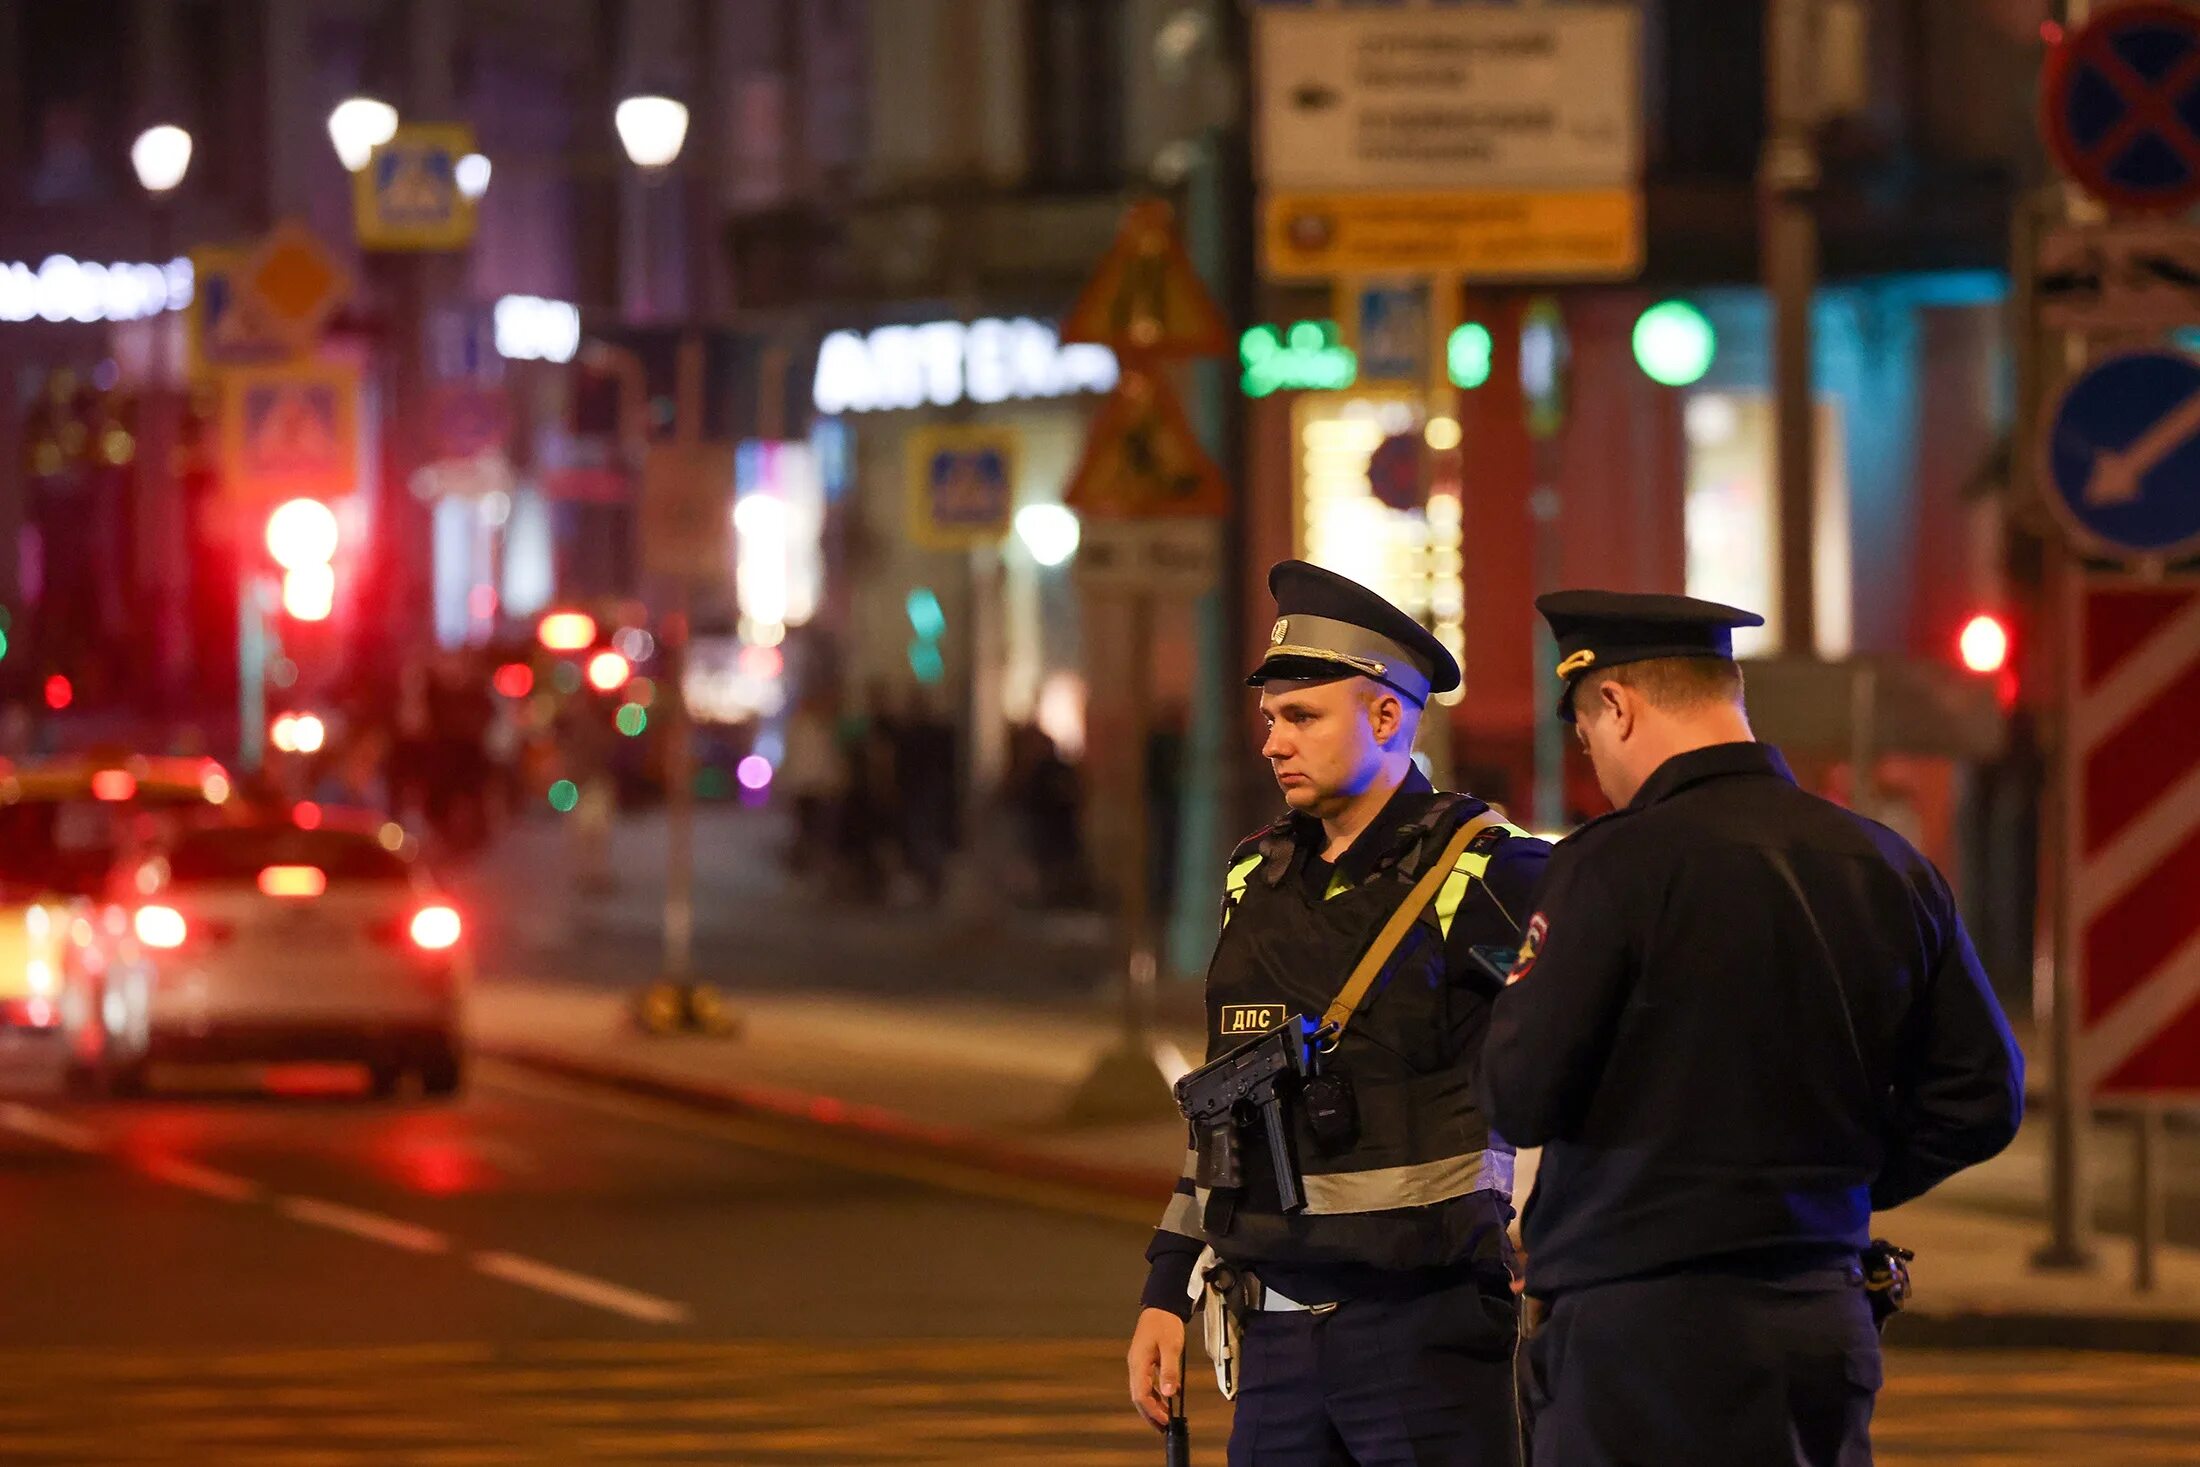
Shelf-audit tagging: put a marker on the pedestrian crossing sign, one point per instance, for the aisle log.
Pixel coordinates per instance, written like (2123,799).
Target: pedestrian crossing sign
(962,486)
(224,324)
(289,431)
(408,198)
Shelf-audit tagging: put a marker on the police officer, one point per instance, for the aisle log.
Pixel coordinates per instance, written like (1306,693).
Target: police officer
(1378,1324)
(1743,1019)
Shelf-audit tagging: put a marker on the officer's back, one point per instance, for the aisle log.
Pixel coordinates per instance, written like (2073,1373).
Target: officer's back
(1745,1099)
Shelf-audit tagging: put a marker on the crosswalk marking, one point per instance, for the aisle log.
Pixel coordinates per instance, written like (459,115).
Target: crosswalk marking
(893,1403)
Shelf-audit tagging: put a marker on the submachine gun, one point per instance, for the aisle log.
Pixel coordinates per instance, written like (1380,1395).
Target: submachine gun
(1225,1094)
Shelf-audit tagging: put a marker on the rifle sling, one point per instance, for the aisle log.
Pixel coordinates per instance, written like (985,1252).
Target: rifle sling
(1394,931)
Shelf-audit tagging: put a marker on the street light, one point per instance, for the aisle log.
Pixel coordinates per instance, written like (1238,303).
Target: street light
(161,155)
(651,129)
(358,126)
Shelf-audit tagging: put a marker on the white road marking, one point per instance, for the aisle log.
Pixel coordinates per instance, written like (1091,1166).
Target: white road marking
(29,1122)
(201,1179)
(362,1224)
(580,1288)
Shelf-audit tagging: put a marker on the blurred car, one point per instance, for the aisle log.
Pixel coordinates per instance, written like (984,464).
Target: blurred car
(64,824)
(272,939)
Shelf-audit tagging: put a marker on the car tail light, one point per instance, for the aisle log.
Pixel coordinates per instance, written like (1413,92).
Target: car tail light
(293,881)
(160,927)
(114,785)
(435,928)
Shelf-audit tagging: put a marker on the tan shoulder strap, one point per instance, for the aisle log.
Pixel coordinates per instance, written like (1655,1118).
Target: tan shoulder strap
(1394,931)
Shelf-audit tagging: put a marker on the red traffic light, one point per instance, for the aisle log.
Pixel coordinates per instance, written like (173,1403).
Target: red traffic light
(608,672)
(514,680)
(301,533)
(566,631)
(59,694)
(1983,644)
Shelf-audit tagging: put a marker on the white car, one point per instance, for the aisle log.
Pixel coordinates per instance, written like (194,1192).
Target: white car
(314,938)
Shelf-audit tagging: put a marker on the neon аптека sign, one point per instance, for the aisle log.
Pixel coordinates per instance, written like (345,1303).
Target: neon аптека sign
(942,363)
(62,289)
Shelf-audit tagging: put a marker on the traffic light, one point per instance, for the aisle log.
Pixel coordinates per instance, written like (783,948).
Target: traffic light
(929,622)
(1983,644)
(302,537)
(1674,343)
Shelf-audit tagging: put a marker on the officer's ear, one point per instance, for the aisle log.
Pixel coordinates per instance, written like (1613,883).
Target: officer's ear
(1619,703)
(1386,713)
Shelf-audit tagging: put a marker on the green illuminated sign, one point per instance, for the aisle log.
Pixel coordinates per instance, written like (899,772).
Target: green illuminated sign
(1307,358)
(1674,344)
(1467,355)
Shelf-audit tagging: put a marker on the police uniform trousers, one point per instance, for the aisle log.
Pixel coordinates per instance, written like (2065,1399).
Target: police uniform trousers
(1702,1369)
(1424,1380)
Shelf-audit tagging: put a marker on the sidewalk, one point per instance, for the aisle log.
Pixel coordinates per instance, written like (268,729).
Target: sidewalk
(983,1086)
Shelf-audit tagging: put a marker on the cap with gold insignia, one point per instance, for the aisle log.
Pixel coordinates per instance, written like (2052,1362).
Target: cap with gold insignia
(1330,627)
(1600,629)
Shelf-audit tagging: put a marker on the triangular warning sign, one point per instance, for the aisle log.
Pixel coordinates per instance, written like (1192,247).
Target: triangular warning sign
(1145,298)
(1142,460)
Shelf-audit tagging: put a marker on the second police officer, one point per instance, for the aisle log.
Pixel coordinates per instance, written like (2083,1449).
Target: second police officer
(1743,1020)
(1377,1324)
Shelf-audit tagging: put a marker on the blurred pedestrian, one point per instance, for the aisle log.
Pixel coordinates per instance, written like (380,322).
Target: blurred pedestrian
(929,811)
(816,780)
(1743,1020)
(870,813)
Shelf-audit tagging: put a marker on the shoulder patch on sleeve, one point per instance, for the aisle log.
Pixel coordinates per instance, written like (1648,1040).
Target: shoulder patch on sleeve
(1531,944)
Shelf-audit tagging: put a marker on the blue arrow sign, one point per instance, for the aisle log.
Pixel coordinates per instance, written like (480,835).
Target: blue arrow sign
(2123,454)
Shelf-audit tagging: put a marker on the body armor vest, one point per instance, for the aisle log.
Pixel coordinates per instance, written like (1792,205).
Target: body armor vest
(1424,1177)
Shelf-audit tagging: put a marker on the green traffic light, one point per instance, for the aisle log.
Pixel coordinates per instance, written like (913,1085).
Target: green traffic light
(1467,355)
(1674,343)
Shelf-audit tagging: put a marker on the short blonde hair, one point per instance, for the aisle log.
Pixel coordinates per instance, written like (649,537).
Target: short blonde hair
(1671,684)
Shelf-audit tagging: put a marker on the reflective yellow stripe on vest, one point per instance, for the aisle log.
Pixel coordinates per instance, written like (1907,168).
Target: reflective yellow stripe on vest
(1233,888)
(1470,868)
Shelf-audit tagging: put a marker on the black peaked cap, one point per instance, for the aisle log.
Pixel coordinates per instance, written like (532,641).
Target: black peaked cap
(1599,629)
(1329,626)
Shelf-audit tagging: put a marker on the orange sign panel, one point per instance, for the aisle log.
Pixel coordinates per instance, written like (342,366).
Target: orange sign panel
(1145,298)
(1142,460)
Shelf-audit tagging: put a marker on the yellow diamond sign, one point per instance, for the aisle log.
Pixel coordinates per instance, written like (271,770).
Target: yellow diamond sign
(296,284)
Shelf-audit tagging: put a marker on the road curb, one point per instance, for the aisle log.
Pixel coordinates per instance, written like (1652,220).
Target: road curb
(1991,1330)
(953,1145)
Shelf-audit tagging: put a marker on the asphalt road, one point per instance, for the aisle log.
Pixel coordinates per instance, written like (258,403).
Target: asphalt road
(536,1273)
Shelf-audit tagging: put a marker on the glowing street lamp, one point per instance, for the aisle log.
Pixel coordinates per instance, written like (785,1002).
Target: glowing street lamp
(651,129)
(471,174)
(161,156)
(358,126)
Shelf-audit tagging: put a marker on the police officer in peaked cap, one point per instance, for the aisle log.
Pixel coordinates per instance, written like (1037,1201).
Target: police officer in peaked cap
(1743,1019)
(1377,1324)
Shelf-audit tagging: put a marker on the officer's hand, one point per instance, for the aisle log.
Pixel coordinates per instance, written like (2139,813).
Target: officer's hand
(1156,1361)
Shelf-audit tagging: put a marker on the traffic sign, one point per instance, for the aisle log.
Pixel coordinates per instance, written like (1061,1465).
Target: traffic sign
(1166,557)
(2122,458)
(1142,460)
(1145,298)
(1452,97)
(223,325)
(295,284)
(2128,275)
(2134,838)
(687,512)
(962,486)
(2120,106)
(408,198)
(290,431)
(1388,323)
(1475,234)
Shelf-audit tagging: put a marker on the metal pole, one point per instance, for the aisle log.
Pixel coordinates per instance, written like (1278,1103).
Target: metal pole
(251,662)
(2146,1196)
(160,529)
(679,743)
(1863,736)
(1139,975)
(1550,734)
(1787,183)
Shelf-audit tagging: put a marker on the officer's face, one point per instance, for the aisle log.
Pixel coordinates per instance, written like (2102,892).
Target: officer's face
(1605,716)
(1325,740)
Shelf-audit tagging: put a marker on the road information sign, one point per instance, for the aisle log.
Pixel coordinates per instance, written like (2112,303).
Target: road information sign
(2122,459)
(1145,297)
(1463,97)
(2120,105)
(289,431)
(1494,142)
(962,486)
(2134,842)
(408,198)
(295,284)
(223,326)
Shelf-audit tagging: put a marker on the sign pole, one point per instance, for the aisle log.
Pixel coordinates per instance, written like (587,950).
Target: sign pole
(2069,1215)
(679,738)
(2147,1199)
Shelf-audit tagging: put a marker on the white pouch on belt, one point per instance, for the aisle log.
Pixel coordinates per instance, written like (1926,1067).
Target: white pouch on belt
(1222,1333)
